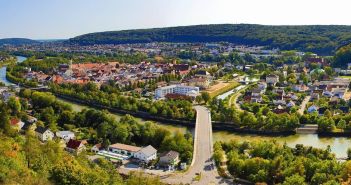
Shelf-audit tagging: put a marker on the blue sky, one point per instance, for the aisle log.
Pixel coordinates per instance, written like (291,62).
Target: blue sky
(49,19)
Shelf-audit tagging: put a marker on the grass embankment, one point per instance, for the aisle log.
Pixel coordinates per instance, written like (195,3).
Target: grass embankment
(221,87)
(7,62)
(234,97)
(347,77)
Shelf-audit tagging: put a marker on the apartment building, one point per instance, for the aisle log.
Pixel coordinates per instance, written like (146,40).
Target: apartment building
(176,89)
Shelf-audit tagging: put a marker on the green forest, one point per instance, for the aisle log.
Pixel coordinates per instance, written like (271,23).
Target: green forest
(320,39)
(267,162)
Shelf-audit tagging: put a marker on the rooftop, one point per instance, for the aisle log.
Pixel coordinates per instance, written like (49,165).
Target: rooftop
(125,147)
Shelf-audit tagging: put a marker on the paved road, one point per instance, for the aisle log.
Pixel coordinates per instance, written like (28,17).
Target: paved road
(303,104)
(202,160)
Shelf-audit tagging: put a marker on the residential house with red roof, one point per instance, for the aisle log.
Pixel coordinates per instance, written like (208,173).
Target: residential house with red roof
(75,146)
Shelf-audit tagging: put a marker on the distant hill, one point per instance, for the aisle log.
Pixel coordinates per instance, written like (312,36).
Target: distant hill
(319,39)
(17,41)
(343,56)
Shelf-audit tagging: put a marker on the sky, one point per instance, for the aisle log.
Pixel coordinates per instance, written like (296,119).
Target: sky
(61,19)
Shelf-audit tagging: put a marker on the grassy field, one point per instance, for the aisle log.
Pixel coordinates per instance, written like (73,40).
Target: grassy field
(221,87)
(348,77)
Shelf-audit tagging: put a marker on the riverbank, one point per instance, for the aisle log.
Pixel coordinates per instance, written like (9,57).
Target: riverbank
(338,145)
(139,114)
(3,70)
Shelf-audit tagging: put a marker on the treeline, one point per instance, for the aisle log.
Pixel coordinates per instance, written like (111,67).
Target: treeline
(81,57)
(92,94)
(314,38)
(267,162)
(328,122)
(25,160)
(101,127)
(262,120)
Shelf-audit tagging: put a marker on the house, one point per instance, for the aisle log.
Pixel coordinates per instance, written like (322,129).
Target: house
(279,110)
(294,97)
(44,133)
(262,86)
(181,69)
(6,95)
(96,148)
(272,79)
(65,135)
(312,108)
(339,92)
(290,104)
(279,102)
(16,123)
(300,88)
(75,146)
(31,119)
(203,73)
(334,100)
(315,96)
(146,154)
(256,92)
(124,149)
(327,93)
(170,158)
(256,98)
(228,66)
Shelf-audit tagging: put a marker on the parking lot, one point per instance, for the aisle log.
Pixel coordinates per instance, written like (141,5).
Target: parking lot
(129,166)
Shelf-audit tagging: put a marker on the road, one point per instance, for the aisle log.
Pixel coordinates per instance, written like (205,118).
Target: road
(202,160)
(303,104)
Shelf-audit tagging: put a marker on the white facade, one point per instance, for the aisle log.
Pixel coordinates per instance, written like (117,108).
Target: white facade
(47,135)
(65,135)
(272,79)
(123,149)
(146,154)
(175,89)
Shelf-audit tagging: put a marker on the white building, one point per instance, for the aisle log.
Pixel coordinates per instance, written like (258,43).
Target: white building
(176,89)
(44,134)
(146,154)
(65,135)
(96,148)
(124,149)
(272,79)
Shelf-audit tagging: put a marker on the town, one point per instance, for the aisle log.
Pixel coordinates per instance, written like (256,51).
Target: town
(175,93)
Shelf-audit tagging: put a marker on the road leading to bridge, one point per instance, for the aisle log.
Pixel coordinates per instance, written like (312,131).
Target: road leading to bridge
(202,160)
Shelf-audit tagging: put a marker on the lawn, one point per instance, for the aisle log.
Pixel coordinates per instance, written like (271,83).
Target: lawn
(221,87)
(347,77)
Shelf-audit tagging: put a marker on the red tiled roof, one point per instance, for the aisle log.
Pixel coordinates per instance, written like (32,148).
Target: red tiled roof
(14,121)
(73,144)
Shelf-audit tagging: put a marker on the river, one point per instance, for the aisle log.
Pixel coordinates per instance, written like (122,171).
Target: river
(3,71)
